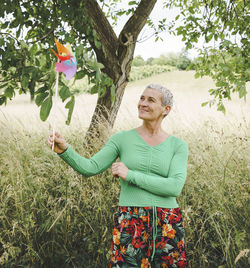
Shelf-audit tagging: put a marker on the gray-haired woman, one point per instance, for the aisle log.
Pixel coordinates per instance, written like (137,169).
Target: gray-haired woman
(148,229)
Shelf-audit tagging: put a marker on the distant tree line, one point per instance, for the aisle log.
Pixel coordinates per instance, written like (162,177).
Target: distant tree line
(179,60)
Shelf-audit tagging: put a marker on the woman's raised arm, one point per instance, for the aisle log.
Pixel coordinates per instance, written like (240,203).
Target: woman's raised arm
(87,167)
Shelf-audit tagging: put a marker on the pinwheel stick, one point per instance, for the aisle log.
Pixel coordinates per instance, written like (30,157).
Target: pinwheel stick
(55,110)
(66,64)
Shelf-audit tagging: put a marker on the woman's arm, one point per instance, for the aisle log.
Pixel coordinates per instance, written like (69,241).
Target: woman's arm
(164,186)
(96,164)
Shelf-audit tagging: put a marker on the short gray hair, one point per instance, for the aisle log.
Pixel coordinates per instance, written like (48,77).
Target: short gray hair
(166,94)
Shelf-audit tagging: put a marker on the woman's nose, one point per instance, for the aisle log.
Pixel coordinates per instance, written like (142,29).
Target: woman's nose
(143,102)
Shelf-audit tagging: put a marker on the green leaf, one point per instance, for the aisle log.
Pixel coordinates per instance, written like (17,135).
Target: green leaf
(5,25)
(220,84)
(3,100)
(64,93)
(101,91)
(79,50)
(80,74)
(94,89)
(2,41)
(120,13)
(28,69)
(32,85)
(197,75)
(41,90)
(24,45)
(9,92)
(221,108)
(33,49)
(70,105)
(99,66)
(40,98)
(3,85)
(204,103)
(97,43)
(132,3)
(14,24)
(191,10)
(242,91)
(45,108)
(98,74)
(188,45)
(95,65)
(25,81)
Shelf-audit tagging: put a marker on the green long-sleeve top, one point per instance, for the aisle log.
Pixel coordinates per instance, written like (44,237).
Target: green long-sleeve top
(156,174)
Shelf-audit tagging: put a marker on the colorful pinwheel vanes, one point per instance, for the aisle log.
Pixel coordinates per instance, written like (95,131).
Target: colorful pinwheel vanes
(67,64)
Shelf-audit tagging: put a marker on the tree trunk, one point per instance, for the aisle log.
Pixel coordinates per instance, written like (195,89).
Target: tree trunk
(117,61)
(104,116)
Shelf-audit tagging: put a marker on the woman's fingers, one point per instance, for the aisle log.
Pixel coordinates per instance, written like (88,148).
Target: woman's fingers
(55,137)
(58,135)
(50,139)
(115,168)
(119,170)
(57,142)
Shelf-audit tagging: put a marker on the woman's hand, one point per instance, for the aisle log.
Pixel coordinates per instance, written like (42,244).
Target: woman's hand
(60,144)
(119,170)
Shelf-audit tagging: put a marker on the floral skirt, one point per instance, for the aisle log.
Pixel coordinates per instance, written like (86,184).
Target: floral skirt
(148,237)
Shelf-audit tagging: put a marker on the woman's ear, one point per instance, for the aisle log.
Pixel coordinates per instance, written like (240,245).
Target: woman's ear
(167,109)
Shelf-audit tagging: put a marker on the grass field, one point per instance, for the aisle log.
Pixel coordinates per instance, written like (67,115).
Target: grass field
(188,92)
(48,213)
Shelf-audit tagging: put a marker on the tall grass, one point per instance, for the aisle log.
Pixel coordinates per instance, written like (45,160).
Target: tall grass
(52,217)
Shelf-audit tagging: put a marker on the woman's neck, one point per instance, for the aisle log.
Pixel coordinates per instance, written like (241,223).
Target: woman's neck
(151,128)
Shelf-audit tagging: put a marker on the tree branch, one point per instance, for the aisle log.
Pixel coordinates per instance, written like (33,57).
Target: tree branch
(55,24)
(44,37)
(133,27)
(137,21)
(106,36)
(102,26)
(13,37)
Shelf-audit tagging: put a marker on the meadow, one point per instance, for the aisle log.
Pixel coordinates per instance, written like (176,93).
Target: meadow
(50,216)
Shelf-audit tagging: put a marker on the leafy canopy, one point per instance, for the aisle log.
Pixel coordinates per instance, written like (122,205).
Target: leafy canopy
(224,28)
(27,30)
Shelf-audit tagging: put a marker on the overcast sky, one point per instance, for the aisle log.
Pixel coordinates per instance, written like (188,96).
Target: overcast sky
(150,48)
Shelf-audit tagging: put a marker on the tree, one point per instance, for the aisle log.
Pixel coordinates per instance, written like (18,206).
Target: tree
(162,60)
(149,61)
(27,64)
(183,61)
(224,25)
(28,28)
(172,58)
(138,61)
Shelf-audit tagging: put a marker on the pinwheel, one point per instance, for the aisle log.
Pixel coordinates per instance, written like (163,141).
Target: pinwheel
(66,64)
(67,58)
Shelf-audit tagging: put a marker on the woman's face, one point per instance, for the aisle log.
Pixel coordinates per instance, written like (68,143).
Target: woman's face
(150,106)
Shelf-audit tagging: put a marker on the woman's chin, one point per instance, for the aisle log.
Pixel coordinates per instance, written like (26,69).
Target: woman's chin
(143,117)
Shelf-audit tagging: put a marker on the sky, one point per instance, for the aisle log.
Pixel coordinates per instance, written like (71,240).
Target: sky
(150,48)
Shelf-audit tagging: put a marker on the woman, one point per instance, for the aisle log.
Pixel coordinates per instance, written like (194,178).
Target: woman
(148,229)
